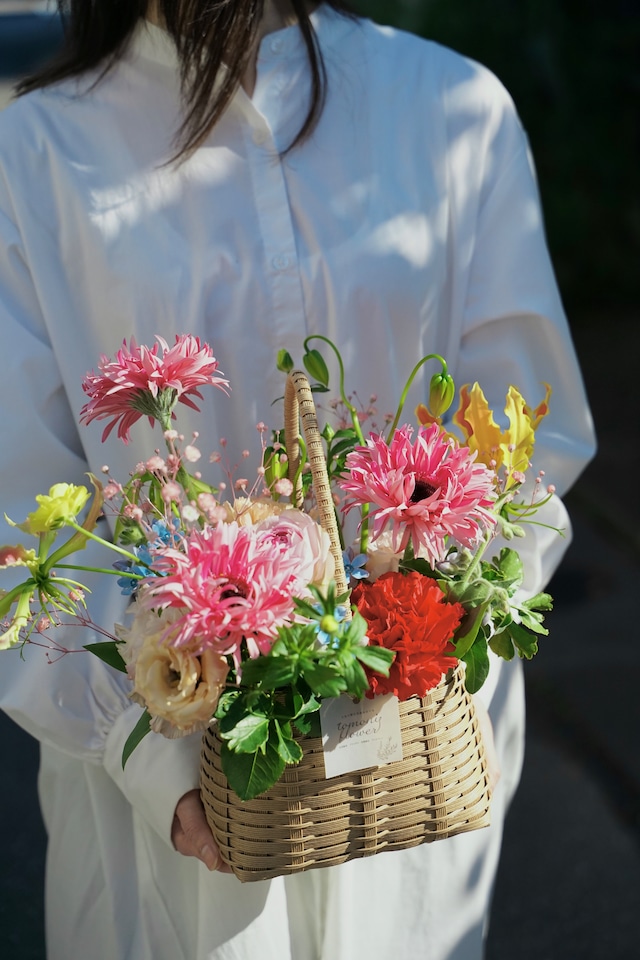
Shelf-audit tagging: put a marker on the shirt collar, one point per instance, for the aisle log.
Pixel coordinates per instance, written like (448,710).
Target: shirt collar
(150,42)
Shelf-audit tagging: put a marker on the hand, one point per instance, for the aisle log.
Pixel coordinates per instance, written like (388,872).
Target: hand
(190,833)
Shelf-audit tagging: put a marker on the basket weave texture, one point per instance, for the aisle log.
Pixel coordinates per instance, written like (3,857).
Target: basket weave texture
(440,788)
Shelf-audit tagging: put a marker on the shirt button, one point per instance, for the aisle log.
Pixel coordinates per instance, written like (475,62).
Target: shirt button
(281,262)
(259,137)
(277,45)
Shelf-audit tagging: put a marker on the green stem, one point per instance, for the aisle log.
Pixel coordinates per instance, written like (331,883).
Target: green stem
(364,509)
(112,572)
(51,562)
(412,375)
(473,566)
(364,528)
(7,601)
(350,407)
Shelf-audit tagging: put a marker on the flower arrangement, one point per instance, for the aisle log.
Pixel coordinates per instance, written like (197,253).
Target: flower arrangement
(235,613)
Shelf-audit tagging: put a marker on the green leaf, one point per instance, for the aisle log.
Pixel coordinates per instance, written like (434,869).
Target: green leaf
(356,629)
(526,643)
(300,702)
(541,601)
(107,650)
(473,594)
(469,628)
(477,664)
(269,671)
(250,774)
(248,735)
(502,645)
(376,658)
(304,723)
(315,365)
(225,703)
(532,621)
(324,681)
(139,732)
(344,446)
(355,678)
(289,749)
(510,565)
(284,361)
(421,566)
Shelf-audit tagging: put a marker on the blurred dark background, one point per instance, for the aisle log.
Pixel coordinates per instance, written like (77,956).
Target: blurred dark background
(569,880)
(573,69)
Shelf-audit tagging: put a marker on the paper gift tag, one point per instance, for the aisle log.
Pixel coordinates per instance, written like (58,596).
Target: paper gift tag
(360,735)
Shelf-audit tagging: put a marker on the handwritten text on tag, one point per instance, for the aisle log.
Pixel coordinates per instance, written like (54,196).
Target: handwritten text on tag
(360,735)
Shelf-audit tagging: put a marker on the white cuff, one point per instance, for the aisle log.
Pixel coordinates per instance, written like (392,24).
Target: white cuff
(158,772)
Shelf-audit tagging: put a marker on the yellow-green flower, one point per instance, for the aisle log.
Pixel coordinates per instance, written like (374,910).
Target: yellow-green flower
(13,635)
(511,448)
(63,503)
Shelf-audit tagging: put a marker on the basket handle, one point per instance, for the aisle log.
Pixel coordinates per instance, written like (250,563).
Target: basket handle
(300,408)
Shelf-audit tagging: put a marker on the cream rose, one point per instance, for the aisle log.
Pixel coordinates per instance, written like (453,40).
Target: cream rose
(381,557)
(248,512)
(180,690)
(145,625)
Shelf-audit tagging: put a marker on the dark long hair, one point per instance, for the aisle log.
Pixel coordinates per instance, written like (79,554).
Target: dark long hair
(205,32)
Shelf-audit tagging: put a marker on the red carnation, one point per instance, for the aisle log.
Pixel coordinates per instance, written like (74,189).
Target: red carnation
(408,613)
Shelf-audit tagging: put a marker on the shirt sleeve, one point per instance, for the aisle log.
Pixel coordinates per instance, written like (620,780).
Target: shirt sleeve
(513,327)
(72,700)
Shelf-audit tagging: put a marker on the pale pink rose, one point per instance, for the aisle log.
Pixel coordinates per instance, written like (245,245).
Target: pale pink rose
(303,544)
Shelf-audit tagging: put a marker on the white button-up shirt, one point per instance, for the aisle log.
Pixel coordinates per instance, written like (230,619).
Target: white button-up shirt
(408,223)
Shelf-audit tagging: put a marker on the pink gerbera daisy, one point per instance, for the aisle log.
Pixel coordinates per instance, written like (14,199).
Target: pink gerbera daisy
(144,381)
(427,489)
(230,585)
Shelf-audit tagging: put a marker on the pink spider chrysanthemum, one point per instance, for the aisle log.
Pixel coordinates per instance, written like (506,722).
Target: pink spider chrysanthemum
(148,381)
(426,489)
(230,586)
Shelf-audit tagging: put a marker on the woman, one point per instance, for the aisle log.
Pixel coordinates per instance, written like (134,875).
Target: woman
(253,172)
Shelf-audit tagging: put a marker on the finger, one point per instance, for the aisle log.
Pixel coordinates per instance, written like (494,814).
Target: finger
(191,835)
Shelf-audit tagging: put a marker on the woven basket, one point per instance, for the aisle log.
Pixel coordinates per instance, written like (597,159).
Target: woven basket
(439,788)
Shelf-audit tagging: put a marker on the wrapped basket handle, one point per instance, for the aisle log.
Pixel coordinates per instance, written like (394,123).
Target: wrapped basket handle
(299,408)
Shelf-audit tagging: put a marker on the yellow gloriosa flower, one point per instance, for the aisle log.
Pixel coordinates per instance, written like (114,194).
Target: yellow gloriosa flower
(63,502)
(511,448)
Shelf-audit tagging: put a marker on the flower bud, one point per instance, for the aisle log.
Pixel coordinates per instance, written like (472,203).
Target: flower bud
(329,624)
(316,367)
(442,390)
(284,361)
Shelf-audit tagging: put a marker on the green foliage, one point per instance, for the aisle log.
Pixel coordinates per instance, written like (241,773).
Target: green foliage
(139,732)
(107,651)
(493,616)
(284,689)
